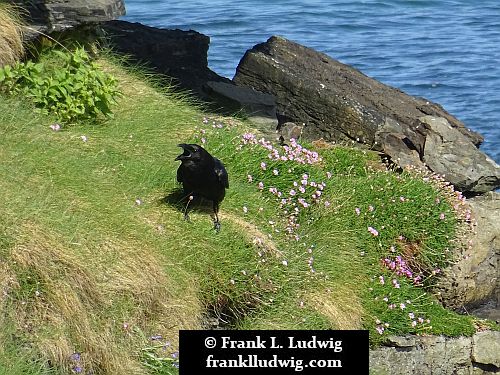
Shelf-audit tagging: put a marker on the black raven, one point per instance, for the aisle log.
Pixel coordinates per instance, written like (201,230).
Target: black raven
(202,175)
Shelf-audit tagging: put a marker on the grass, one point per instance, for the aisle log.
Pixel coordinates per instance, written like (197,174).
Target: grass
(11,39)
(99,270)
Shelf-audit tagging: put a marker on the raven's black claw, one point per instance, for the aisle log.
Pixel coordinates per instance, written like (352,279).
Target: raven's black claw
(217,226)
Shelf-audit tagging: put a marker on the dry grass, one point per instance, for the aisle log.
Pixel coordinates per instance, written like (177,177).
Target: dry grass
(342,308)
(11,35)
(63,303)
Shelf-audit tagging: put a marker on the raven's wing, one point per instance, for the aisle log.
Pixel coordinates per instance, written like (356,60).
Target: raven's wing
(221,173)
(180,174)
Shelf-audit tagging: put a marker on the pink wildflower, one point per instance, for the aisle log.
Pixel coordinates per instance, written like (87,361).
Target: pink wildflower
(55,127)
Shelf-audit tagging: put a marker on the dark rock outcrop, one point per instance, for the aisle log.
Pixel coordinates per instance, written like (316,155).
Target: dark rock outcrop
(59,15)
(235,98)
(181,55)
(450,153)
(474,279)
(338,103)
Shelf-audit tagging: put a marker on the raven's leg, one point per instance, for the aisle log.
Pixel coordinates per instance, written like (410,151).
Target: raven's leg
(186,216)
(216,216)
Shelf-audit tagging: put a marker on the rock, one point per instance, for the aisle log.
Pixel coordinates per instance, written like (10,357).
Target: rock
(448,152)
(290,130)
(486,348)
(236,98)
(474,279)
(424,355)
(59,15)
(181,55)
(338,103)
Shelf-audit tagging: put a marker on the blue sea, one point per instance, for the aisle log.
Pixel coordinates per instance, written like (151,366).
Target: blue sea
(447,51)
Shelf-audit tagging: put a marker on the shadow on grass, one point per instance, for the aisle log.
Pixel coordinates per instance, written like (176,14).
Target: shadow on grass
(178,200)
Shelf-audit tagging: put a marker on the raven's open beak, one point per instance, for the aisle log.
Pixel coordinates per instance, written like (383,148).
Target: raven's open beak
(187,151)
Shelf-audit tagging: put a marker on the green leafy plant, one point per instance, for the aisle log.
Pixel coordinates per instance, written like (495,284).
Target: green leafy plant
(72,87)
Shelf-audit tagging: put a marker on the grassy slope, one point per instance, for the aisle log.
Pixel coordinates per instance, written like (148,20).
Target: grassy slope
(95,256)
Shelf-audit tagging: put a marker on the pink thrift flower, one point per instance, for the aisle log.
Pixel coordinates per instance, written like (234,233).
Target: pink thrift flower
(358,211)
(55,127)
(84,138)
(275,172)
(371,208)
(373,231)
(381,279)
(249,178)
(245,209)
(441,216)
(263,165)
(261,185)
